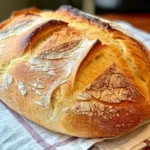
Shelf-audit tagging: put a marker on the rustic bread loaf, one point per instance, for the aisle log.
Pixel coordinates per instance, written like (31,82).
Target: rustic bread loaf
(74,73)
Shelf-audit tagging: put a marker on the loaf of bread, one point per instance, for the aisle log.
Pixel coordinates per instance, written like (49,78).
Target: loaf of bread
(74,73)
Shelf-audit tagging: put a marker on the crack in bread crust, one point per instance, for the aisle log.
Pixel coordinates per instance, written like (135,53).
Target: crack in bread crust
(113,86)
(103,24)
(67,71)
(30,40)
(35,36)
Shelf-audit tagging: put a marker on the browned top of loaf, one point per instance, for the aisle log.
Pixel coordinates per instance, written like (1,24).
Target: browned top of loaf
(88,72)
(98,22)
(113,83)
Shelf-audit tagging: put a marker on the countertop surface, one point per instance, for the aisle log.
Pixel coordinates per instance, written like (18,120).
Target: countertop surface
(139,20)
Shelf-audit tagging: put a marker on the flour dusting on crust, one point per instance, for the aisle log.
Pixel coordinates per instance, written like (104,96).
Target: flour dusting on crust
(7,80)
(21,88)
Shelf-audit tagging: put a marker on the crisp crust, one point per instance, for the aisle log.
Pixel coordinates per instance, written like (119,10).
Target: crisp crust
(41,31)
(86,17)
(29,11)
(74,73)
(101,119)
(104,24)
(112,86)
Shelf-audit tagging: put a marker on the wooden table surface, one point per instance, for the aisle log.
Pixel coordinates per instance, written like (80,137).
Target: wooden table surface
(141,21)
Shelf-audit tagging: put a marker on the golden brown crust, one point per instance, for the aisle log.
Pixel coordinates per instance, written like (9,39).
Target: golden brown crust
(112,86)
(31,10)
(74,73)
(102,119)
(100,23)
(86,17)
(41,31)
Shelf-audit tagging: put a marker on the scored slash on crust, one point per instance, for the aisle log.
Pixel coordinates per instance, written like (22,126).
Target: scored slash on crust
(111,86)
(54,52)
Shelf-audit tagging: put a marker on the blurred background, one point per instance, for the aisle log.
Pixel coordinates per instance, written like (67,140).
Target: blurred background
(98,7)
(92,6)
